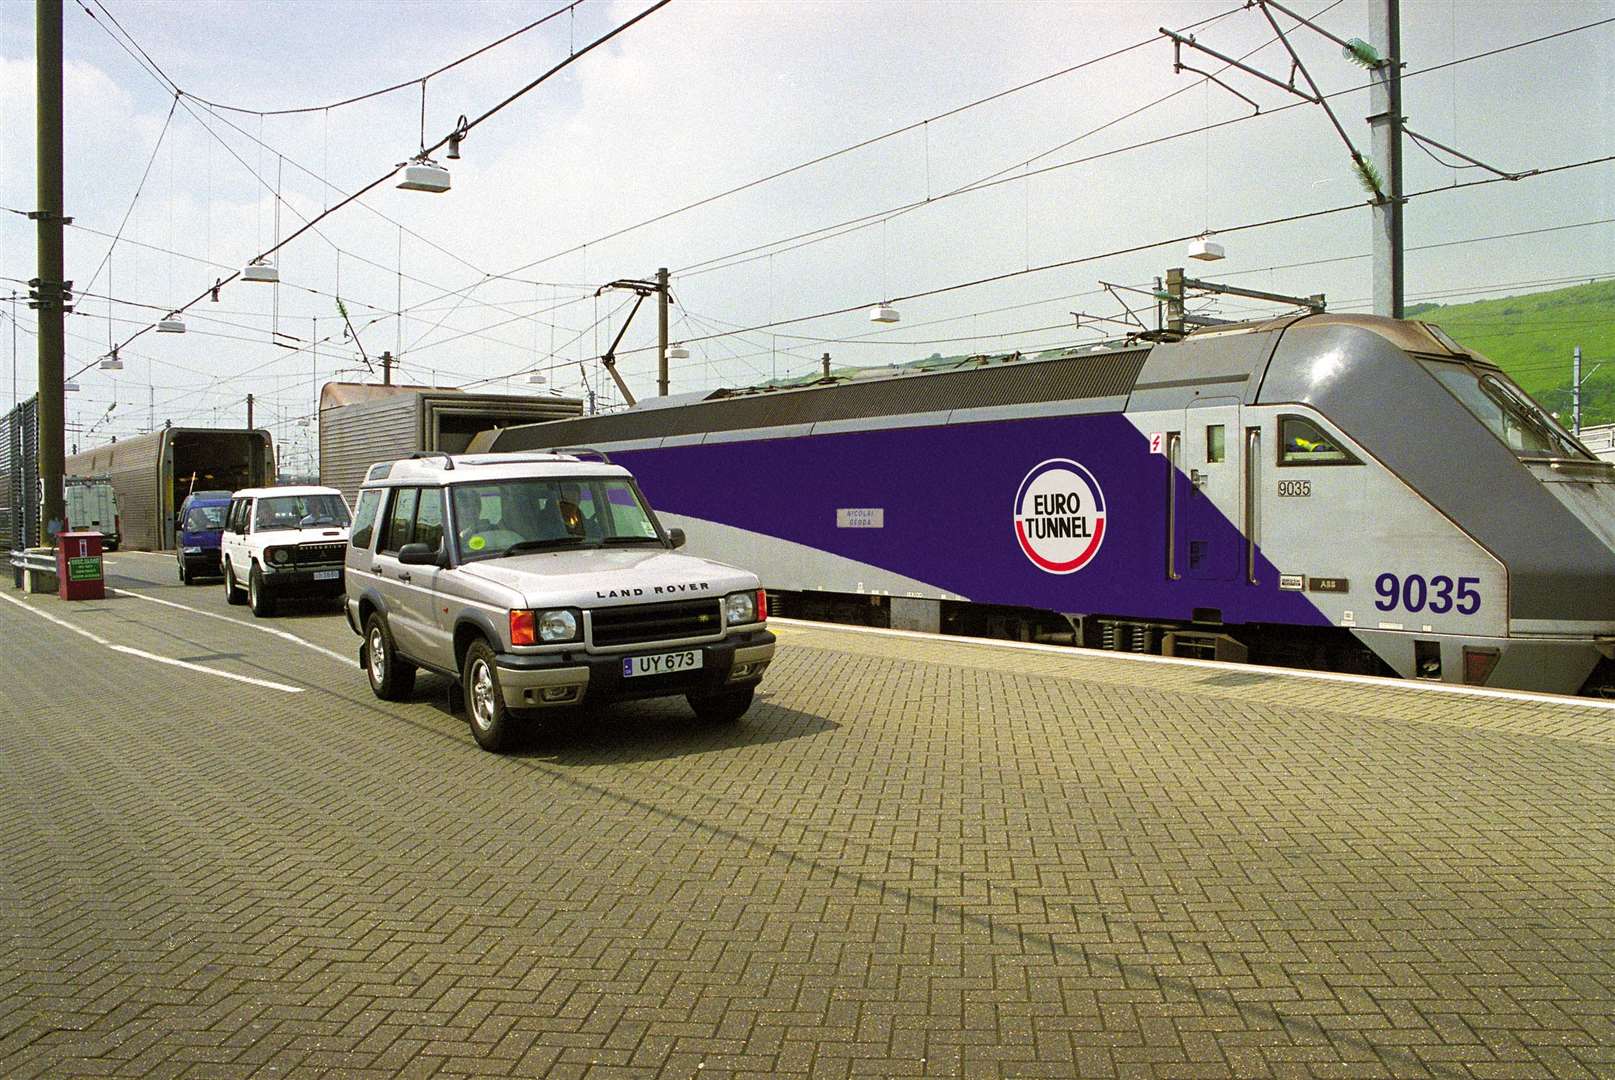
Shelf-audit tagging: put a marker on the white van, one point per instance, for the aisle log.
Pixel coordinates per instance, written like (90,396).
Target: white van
(93,507)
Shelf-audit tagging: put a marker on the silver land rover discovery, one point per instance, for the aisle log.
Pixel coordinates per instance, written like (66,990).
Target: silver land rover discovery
(542,581)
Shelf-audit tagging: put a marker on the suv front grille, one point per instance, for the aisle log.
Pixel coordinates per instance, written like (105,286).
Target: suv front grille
(308,554)
(656,622)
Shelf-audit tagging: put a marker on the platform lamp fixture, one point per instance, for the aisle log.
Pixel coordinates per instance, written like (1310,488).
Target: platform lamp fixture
(171,325)
(421,173)
(676,351)
(262,270)
(111,361)
(1204,248)
(537,378)
(883,313)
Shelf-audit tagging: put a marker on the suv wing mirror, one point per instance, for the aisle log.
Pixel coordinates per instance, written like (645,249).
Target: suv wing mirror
(676,537)
(418,555)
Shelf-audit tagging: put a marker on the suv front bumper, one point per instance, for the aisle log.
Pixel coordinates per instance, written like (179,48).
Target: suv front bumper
(553,680)
(303,582)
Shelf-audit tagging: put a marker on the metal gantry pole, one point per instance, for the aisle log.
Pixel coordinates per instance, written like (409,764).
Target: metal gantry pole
(661,332)
(50,286)
(1385,119)
(1575,393)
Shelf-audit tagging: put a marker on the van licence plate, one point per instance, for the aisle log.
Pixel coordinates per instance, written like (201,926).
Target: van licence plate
(327,575)
(661,663)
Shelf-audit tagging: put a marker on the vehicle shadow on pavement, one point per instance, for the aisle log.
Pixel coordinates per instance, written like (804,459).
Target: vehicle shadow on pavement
(633,731)
(658,731)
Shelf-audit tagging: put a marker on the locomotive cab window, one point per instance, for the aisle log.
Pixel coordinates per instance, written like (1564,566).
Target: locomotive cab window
(1303,442)
(1507,411)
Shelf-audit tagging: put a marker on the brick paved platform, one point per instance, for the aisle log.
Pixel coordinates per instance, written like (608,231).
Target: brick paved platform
(915,857)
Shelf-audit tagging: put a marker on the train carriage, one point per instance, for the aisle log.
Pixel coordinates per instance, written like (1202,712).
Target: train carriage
(1343,492)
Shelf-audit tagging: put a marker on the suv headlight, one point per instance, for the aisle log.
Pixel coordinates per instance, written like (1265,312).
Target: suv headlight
(279,556)
(740,607)
(543,627)
(560,625)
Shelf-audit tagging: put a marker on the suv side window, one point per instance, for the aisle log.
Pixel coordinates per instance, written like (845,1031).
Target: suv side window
(364,518)
(429,518)
(403,516)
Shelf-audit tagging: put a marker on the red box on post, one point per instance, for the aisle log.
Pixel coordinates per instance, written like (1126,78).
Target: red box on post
(78,566)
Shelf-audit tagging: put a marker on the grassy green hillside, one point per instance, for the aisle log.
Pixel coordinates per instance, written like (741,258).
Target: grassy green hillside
(1531,337)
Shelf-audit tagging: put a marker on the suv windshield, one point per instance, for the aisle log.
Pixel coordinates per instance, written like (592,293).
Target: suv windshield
(204,518)
(509,517)
(1507,411)
(300,511)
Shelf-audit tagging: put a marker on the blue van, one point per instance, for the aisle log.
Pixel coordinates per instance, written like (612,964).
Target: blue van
(200,523)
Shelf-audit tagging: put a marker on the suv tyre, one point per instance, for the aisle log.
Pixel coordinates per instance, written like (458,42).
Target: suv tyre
(263,605)
(391,678)
(232,592)
(491,724)
(724,708)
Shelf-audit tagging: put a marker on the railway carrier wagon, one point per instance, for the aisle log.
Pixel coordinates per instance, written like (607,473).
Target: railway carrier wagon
(151,474)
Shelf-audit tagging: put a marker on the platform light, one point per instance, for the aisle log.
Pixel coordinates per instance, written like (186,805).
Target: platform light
(883,313)
(423,174)
(537,378)
(1205,249)
(70,387)
(172,325)
(111,362)
(261,270)
(677,352)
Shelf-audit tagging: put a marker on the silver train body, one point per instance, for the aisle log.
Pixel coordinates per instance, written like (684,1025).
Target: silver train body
(1343,492)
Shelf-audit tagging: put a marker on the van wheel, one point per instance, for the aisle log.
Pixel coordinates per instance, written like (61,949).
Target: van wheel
(723,708)
(263,605)
(391,679)
(232,591)
(491,724)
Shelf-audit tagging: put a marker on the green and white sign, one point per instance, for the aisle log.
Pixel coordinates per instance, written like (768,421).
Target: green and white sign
(85,568)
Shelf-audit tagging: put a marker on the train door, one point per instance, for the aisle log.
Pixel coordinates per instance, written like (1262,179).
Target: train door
(1209,545)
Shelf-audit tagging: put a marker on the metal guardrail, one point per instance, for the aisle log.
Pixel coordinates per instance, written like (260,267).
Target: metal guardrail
(34,560)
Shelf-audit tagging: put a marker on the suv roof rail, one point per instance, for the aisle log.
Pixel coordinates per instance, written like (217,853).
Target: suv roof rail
(448,459)
(577,450)
(512,458)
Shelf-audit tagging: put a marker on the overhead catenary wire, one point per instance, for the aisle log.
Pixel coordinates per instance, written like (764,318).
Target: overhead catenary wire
(462,129)
(1134,249)
(406,84)
(774,247)
(1491,52)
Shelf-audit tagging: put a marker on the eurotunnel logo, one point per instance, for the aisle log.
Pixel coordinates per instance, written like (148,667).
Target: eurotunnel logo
(1060,516)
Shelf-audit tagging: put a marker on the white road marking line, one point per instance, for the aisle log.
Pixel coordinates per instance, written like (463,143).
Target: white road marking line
(1375,681)
(64,624)
(321,649)
(206,670)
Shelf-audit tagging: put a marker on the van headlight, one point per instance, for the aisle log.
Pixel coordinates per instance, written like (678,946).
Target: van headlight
(557,625)
(740,608)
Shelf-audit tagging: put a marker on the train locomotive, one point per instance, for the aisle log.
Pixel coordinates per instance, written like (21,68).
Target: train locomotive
(1339,492)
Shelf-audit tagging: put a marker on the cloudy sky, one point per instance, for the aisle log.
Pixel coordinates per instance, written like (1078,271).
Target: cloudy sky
(496,279)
